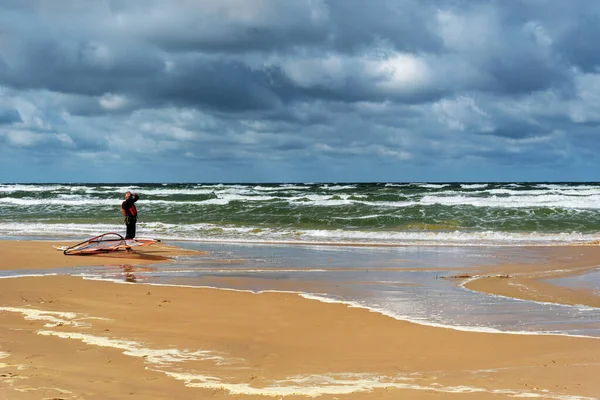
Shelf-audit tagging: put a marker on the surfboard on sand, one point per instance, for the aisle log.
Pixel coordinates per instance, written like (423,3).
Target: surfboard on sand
(105,243)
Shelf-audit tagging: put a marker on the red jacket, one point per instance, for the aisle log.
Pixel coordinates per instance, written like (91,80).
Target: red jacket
(128,206)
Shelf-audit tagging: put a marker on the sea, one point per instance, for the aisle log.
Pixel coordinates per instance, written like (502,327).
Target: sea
(465,214)
(386,247)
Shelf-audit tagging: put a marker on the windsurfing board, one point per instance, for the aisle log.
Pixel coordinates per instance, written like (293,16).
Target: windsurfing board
(105,243)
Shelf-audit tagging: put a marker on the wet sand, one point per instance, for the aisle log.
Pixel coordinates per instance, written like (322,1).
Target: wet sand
(530,281)
(68,338)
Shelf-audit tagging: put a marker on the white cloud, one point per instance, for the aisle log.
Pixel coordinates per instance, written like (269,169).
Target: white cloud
(97,55)
(463,114)
(399,73)
(586,107)
(110,101)
(65,139)
(540,34)
(328,71)
(396,74)
(20,138)
(477,29)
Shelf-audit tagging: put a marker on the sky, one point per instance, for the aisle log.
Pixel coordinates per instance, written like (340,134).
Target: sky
(299,90)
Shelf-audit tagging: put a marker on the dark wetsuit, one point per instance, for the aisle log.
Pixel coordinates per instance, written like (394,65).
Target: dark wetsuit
(130,213)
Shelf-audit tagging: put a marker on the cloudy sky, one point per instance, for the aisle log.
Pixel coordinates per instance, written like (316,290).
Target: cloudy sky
(299,90)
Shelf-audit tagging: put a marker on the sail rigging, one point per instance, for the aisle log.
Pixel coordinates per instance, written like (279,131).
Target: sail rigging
(105,243)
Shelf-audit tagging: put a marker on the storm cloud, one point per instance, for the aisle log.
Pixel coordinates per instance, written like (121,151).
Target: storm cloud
(312,90)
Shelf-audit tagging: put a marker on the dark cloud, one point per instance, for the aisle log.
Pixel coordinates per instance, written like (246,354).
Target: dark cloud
(579,45)
(9,116)
(221,85)
(298,88)
(84,68)
(517,130)
(358,26)
(526,73)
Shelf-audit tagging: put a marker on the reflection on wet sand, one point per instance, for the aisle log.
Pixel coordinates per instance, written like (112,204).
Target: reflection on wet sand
(129,272)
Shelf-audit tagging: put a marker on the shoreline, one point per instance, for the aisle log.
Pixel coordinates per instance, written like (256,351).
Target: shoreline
(79,339)
(30,254)
(524,281)
(342,243)
(529,282)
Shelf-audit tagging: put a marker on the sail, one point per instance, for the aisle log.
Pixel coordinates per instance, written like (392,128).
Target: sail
(107,242)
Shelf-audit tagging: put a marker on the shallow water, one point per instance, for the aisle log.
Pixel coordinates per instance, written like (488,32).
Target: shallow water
(587,281)
(402,282)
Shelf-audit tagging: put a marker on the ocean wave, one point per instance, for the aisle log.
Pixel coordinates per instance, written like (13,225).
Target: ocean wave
(589,202)
(330,212)
(521,201)
(255,234)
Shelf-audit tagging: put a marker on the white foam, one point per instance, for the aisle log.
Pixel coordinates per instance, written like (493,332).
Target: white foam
(431,185)
(579,307)
(120,281)
(310,386)
(590,202)
(71,201)
(474,185)
(27,275)
(255,234)
(304,385)
(3,355)
(411,319)
(135,349)
(54,318)
(251,270)
(31,188)
(340,384)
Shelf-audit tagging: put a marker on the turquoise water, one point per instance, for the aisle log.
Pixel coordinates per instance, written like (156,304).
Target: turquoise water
(463,214)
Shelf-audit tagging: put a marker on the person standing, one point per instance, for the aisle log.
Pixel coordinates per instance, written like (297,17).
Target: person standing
(130,212)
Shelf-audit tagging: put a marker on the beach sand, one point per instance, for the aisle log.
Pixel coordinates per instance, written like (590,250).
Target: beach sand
(64,337)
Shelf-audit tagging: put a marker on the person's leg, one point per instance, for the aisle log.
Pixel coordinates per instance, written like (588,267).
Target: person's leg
(130,230)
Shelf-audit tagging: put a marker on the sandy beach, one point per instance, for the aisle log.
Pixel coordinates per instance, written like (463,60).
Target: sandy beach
(64,337)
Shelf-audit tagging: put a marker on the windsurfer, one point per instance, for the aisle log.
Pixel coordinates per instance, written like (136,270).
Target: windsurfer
(130,212)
